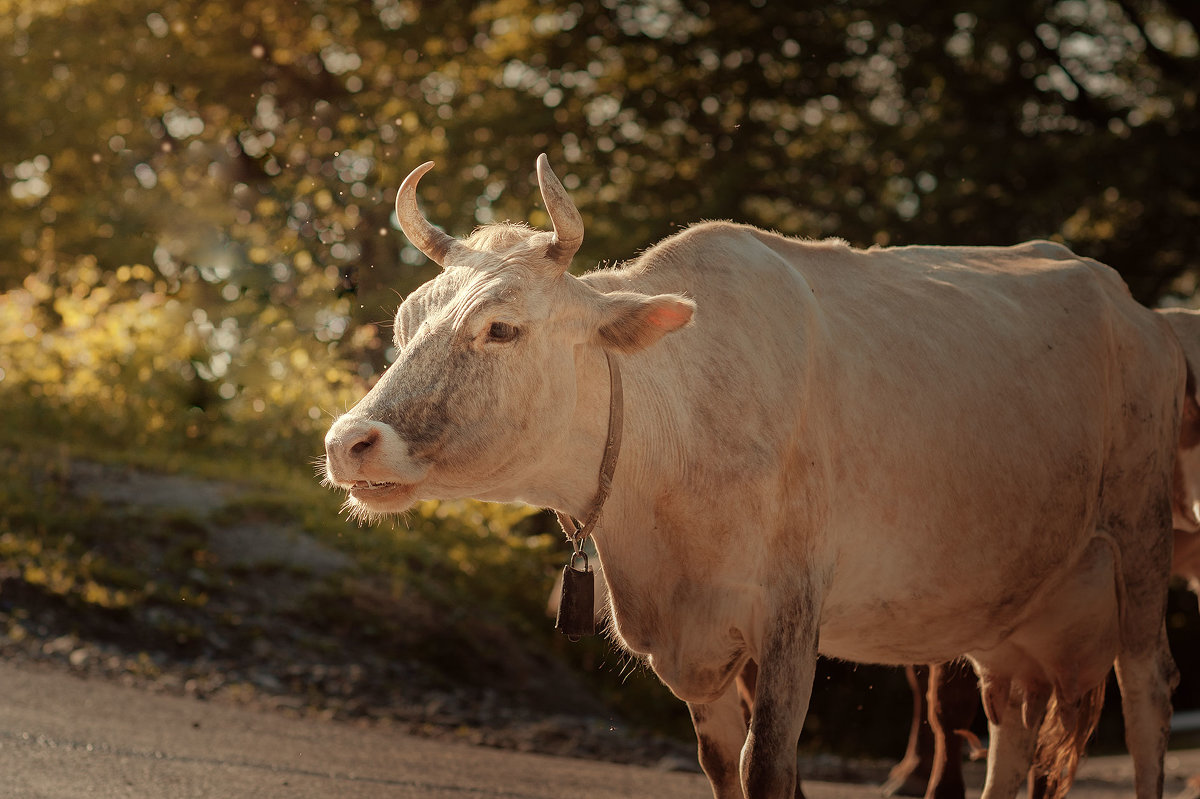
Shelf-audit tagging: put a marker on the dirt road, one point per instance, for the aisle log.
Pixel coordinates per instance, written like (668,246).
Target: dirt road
(63,737)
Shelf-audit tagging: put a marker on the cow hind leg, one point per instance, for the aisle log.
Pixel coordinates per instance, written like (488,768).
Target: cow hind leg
(910,776)
(945,698)
(1145,670)
(953,699)
(1011,740)
(1147,678)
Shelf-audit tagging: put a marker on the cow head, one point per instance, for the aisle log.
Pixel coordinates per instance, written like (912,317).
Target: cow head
(481,399)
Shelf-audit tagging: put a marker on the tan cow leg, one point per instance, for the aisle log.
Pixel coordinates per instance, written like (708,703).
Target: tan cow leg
(945,700)
(952,700)
(1146,680)
(720,735)
(1010,748)
(910,776)
(785,678)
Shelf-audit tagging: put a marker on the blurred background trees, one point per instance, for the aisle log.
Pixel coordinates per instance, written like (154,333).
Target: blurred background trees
(197,247)
(232,170)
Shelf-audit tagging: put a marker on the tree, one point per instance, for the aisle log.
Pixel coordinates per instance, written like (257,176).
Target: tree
(248,159)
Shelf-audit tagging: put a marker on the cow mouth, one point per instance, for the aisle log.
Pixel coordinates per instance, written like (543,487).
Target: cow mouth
(371,484)
(371,492)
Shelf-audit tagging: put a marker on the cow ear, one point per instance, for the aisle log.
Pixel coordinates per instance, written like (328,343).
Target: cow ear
(630,322)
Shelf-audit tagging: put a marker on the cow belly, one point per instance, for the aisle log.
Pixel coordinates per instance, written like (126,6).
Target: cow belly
(1071,633)
(1070,613)
(898,633)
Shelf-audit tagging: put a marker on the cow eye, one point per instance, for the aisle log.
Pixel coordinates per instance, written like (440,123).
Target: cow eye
(502,332)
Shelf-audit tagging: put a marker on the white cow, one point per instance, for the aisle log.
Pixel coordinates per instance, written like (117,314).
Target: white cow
(896,455)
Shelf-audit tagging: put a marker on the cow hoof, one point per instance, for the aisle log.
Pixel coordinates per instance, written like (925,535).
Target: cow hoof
(905,781)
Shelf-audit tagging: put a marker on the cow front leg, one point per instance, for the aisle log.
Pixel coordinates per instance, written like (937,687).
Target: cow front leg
(785,677)
(720,735)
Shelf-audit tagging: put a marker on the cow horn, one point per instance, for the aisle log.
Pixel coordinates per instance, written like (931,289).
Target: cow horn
(568,224)
(424,236)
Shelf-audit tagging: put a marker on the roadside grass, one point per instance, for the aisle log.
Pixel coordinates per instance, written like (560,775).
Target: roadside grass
(496,555)
(447,596)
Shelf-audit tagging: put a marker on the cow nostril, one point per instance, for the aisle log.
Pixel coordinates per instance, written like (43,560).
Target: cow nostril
(365,443)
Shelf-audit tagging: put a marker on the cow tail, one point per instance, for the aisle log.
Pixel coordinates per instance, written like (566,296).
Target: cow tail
(1062,737)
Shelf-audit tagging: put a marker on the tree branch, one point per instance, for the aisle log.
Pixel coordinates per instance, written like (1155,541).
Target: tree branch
(1168,64)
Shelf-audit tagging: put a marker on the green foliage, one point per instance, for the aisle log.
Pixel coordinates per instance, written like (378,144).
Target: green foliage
(490,559)
(211,189)
(73,550)
(119,358)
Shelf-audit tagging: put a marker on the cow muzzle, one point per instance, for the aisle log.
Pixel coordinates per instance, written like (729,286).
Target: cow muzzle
(371,461)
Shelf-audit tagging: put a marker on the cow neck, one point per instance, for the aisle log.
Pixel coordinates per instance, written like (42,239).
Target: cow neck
(577,532)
